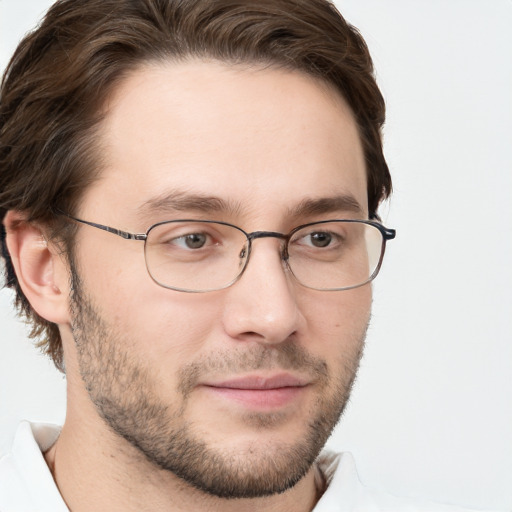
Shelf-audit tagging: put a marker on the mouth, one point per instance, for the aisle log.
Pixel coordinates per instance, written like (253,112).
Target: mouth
(260,392)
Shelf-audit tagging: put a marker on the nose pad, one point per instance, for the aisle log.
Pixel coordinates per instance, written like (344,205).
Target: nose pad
(245,252)
(243,257)
(284,254)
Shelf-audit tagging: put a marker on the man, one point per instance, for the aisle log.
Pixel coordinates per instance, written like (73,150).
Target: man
(189,194)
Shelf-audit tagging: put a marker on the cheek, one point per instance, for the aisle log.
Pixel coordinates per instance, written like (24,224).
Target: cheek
(338,322)
(339,319)
(158,325)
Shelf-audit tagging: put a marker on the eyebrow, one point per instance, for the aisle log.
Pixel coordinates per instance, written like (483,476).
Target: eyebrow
(176,201)
(339,203)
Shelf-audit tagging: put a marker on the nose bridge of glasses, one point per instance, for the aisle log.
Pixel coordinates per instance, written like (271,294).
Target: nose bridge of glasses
(271,234)
(265,234)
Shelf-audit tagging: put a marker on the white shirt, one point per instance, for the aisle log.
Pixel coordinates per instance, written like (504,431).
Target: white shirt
(27,485)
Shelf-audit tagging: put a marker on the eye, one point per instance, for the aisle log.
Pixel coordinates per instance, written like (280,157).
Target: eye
(191,241)
(319,239)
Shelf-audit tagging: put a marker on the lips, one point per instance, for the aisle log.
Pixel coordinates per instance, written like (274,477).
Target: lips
(259,392)
(261,383)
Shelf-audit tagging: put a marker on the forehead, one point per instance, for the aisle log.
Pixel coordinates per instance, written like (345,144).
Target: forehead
(259,138)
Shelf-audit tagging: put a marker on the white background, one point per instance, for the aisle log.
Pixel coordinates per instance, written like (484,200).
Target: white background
(431,414)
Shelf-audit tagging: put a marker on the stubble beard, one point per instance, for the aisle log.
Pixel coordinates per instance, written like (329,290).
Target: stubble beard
(124,393)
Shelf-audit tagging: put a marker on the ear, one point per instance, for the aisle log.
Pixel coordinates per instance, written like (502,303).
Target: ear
(41,270)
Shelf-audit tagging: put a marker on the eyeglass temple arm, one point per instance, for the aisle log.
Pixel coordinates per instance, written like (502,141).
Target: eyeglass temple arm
(114,231)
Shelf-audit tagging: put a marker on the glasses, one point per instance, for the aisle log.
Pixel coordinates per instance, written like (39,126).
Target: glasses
(203,255)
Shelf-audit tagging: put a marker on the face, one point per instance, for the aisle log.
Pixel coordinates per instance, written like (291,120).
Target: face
(235,390)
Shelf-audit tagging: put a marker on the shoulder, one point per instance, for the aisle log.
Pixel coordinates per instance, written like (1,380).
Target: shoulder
(26,483)
(346,493)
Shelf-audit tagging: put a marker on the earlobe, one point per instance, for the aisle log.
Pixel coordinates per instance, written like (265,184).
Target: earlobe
(40,269)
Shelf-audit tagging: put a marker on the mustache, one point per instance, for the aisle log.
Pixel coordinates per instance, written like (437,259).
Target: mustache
(287,355)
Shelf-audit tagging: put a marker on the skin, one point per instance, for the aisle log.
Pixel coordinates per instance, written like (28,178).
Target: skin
(263,140)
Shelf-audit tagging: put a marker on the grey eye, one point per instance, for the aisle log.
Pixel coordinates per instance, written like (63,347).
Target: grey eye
(194,240)
(320,239)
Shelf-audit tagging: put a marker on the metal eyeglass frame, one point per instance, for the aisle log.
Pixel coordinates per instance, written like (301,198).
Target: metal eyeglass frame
(387,234)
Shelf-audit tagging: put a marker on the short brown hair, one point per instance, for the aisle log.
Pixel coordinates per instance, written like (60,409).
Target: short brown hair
(60,75)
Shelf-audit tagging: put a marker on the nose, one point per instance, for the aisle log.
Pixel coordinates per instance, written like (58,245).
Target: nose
(262,306)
